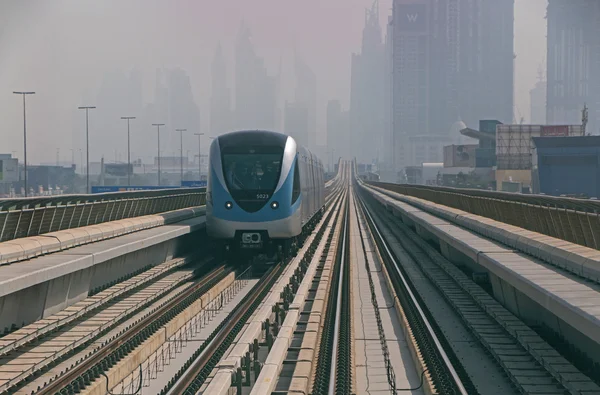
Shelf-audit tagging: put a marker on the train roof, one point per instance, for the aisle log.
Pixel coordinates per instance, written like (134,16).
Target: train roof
(258,137)
(253,137)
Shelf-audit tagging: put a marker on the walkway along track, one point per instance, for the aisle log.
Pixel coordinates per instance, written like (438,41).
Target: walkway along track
(90,369)
(529,363)
(441,369)
(389,369)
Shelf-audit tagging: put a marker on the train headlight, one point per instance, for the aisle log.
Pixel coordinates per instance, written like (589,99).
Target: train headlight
(275,205)
(228,205)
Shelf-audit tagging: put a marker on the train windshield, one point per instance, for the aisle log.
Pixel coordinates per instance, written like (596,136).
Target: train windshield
(251,174)
(252,171)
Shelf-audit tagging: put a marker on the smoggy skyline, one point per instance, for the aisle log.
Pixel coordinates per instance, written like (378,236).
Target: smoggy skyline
(62,49)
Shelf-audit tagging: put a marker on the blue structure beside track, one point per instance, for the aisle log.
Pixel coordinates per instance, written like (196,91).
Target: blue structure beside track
(117,188)
(569,165)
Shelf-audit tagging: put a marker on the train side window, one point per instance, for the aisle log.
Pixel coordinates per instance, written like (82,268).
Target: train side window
(296,187)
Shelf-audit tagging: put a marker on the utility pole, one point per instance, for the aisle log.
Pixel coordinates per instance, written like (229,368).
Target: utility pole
(199,156)
(158,125)
(181,152)
(584,117)
(87,144)
(129,168)
(24,137)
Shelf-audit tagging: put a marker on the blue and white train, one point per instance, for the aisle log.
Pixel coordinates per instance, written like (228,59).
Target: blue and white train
(263,190)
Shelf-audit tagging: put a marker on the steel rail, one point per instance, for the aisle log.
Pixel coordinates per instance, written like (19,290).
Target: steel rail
(325,369)
(202,361)
(338,307)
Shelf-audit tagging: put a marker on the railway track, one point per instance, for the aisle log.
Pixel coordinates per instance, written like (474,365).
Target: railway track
(332,374)
(301,317)
(213,350)
(68,337)
(334,371)
(444,372)
(132,311)
(528,363)
(81,375)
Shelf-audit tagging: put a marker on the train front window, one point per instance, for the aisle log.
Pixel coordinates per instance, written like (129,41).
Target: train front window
(251,174)
(257,172)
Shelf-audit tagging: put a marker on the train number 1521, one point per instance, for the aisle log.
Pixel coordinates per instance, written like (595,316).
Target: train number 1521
(262,196)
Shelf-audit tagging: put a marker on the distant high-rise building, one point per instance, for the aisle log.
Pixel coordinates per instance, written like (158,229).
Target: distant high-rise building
(338,122)
(367,92)
(296,116)
(411,42)
(485,60)
(573,62)
(255,90)
(538,101)
(452,60)
(388,136)
(183,110)
(120,94)
(306,96)
(175,106)
(220,103)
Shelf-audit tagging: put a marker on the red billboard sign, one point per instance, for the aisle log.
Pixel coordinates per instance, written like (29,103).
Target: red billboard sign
(555,131)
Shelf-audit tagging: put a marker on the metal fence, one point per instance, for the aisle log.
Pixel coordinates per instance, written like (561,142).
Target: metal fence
(38,215)
(570,219)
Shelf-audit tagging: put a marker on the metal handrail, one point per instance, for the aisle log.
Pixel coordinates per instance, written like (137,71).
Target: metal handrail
(568,203)
(63,200)
(571,219)
(39,215)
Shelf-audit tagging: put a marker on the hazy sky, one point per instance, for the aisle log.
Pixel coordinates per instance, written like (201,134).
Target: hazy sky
(61,48)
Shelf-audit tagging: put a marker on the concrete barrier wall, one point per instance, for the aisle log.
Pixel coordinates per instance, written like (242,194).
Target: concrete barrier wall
(35,291)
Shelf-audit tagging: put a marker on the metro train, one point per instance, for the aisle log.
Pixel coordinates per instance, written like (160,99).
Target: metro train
(263,192)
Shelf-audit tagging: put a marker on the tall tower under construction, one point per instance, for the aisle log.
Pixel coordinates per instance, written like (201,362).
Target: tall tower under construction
(452,61)
(573,62)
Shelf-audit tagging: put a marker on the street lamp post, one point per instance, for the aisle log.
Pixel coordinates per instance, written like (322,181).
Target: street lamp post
(158,125)
(87,145)
(181,152)
(199,156)
(129,169)
(24,137)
